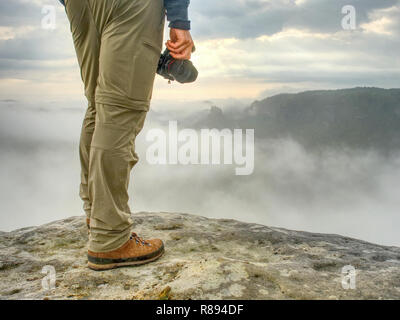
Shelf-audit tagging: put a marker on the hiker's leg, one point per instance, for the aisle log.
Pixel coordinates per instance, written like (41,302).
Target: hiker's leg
(111,159)
(131,42)
(87,46)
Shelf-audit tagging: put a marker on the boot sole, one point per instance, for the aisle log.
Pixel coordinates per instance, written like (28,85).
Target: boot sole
(115,265)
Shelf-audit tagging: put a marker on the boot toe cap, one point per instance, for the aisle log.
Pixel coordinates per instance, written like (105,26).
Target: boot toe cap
(157,243)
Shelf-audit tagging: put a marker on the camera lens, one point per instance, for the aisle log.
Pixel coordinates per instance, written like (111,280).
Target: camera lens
(183,71)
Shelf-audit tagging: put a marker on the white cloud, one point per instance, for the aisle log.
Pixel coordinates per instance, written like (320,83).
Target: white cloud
(7,33)
(383,22)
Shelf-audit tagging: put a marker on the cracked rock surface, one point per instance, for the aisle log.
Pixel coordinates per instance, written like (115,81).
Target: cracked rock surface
(204,259)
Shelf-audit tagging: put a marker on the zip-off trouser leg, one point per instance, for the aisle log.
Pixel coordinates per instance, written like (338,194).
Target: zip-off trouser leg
(118,44)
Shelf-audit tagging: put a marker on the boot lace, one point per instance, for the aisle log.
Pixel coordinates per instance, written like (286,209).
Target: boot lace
(139,240)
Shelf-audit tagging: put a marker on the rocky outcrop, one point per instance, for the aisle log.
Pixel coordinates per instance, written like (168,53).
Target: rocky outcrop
(204,259)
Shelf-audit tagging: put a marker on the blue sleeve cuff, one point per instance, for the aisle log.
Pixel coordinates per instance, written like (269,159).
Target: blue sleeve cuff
(178,24)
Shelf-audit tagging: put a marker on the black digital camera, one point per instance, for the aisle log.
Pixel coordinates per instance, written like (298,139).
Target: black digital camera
(182,71)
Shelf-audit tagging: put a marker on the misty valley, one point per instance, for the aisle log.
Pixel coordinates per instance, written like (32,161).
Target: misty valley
(324,161)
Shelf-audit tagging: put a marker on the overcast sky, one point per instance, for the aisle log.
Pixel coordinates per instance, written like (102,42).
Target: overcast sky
(246,49)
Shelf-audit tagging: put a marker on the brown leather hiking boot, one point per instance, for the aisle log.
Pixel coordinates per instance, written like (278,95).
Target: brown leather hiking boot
(134,252)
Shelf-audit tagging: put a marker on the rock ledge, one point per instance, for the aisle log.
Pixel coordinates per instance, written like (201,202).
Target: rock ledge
(204,259)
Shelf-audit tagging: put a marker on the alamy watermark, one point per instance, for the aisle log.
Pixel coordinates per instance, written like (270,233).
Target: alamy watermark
(209,146)
(349,21)
(49,281)
(49,18)
(348,277)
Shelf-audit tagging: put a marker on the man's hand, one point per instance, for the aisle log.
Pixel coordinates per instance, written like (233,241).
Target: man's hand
(180,44)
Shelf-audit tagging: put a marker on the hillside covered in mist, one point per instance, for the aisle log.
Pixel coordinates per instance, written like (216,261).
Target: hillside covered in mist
(324,161)
(359,118)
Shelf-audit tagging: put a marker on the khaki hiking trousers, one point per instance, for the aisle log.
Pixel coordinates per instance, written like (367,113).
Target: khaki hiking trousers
(118,45)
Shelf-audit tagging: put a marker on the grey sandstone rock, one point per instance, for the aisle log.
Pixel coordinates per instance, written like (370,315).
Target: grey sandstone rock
(204,259)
